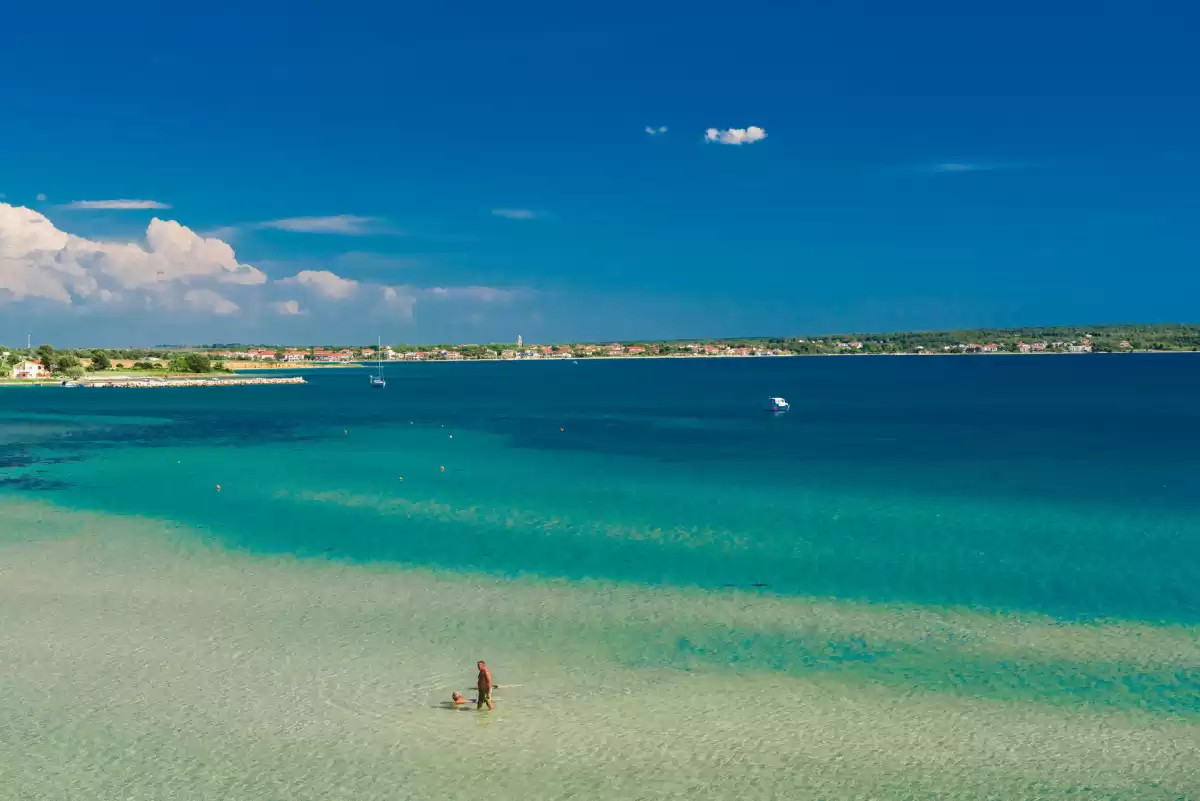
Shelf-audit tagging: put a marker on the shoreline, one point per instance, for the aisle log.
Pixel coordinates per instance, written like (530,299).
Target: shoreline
(739,356)
(143,383)
(248,380)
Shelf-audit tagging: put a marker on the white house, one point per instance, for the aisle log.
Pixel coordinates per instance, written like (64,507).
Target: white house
(29,370)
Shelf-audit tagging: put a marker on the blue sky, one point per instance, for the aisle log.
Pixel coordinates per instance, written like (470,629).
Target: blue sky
(471,171)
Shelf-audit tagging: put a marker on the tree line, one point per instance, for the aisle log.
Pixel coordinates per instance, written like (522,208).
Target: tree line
(71,363)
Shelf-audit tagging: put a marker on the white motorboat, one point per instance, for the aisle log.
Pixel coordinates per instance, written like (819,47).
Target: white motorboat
(778,405)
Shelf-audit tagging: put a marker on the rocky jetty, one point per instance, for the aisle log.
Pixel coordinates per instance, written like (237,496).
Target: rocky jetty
(147,383)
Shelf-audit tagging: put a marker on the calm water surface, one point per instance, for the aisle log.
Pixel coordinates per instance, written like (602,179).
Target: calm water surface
(1060,484)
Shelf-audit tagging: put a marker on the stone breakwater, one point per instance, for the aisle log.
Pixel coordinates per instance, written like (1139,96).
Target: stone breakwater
(146,383)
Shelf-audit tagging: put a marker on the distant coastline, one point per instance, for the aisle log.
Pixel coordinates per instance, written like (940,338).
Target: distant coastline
(45,363)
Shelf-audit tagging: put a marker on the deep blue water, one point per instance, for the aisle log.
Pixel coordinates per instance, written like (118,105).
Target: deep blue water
(1063,484)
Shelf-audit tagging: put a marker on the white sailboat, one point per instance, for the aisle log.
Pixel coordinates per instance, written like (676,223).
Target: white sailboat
(377,380)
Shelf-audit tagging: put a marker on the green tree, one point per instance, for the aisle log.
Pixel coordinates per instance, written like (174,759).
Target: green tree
(280,355)
(197,363)
(100,360)
(63,362)
(75,371)
(45,355)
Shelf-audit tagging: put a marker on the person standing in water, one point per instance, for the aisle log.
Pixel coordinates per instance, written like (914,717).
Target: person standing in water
(485,686)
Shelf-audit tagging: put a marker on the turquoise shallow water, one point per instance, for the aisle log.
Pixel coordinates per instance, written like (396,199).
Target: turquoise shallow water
(934,578)
(1062,485)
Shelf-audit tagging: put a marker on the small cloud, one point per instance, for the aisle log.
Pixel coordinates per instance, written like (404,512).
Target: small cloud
(969,166)
(323,282)
(208,301)
(117,205)
(224,232)
(516,214)
(349,224)
(735,136)
(288,308)
(40,196)
(483,294)
(376,262)
(659,131)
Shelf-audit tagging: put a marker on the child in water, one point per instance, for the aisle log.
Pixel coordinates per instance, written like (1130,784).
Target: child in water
(457,698)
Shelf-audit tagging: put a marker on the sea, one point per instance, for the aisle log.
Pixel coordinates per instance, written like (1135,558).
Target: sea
(958,577)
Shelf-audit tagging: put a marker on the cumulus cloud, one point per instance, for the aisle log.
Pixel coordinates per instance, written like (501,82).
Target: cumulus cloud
(735,136)
(173,278)
(206,300)
(659,131)
(325,283)
(287,308)
(516,214)
(119,205)
(38,260)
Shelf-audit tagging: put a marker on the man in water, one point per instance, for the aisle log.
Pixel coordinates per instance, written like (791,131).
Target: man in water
(485,685)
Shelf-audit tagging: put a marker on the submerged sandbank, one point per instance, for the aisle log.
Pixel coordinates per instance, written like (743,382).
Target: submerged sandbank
(139,661)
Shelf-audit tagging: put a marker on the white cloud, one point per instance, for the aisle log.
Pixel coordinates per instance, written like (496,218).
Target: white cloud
(659,131)
(40,196)
(325,283)
(400,301)
(735,136)
(173,279)
(516,214)
(206,300)
(970,166)
(288,308)
(120,205)
(483,294)
(350,224)
(38,260)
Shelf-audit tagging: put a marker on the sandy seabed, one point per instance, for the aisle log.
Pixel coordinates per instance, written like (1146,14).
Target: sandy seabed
(136,662)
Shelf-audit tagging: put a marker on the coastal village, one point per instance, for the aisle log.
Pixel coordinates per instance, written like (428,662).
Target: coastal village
(217,362)
(293,355)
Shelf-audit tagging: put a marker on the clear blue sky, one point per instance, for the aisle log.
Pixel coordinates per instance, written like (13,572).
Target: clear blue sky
(925,165)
